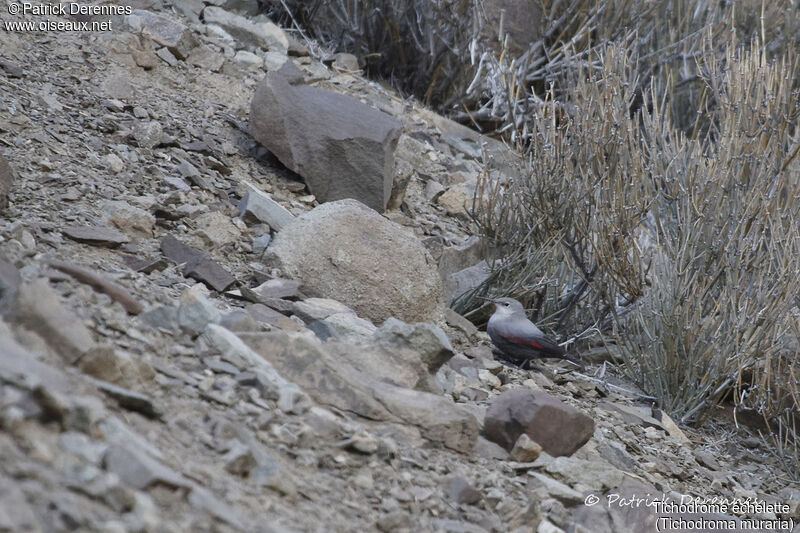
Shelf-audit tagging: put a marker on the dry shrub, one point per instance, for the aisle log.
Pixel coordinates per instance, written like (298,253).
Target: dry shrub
(661,190)
(420,46)
(666,37)
(690,241)
(727,254)
(563,231)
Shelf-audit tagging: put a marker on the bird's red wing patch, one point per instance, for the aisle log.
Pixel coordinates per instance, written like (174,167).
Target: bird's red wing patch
(529,343)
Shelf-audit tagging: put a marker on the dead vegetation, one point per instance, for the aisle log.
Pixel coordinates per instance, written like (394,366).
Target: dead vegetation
(660,203)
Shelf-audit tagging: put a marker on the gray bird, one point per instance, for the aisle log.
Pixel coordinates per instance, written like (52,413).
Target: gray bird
(519,338)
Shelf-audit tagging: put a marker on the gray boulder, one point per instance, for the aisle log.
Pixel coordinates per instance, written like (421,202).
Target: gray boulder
(346,251)
(340,146)
(163,30)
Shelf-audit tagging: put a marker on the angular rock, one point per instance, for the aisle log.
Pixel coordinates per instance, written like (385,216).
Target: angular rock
(278,288)
(196,312)
(139,470)
(489,450)
(217,230)
(455,200)
(248,60)
(556,489)
(427,340)
(6,181)
(21,369)
(260,34)
(274,61)
(129,399)
(106,363)
(163,30)
(460,256)
(239,320)
(312,309)
(205,57)
(465,280)
(95,235)
(323,330)
(197,265)
(340,146)
(233,348)
(261,243)
(166,56)
(39,309)
(257,206)
(346,62)
(669,426)
(346,251)
(267,315)
(631,414)
(398,366)
(128,218)
(239,459)
(559,428)
(595,474)
(351,328)
(148,134)
(334,382)
(525,450)
(401,176)
(10,280)
(458,489)
(459,322)
(162,316)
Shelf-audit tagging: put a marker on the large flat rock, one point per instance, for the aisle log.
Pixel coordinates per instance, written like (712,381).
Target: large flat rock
(334,382)
(340,146)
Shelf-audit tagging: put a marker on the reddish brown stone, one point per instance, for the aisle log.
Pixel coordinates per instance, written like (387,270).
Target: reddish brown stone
(558,428)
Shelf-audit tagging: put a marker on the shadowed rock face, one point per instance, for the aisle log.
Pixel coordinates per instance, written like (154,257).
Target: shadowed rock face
(521,23)
(341,147)
(346,251)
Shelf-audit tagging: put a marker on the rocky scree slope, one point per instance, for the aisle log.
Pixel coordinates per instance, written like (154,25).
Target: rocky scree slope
(165,367)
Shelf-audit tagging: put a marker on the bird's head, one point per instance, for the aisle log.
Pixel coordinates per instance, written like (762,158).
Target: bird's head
(506,306)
